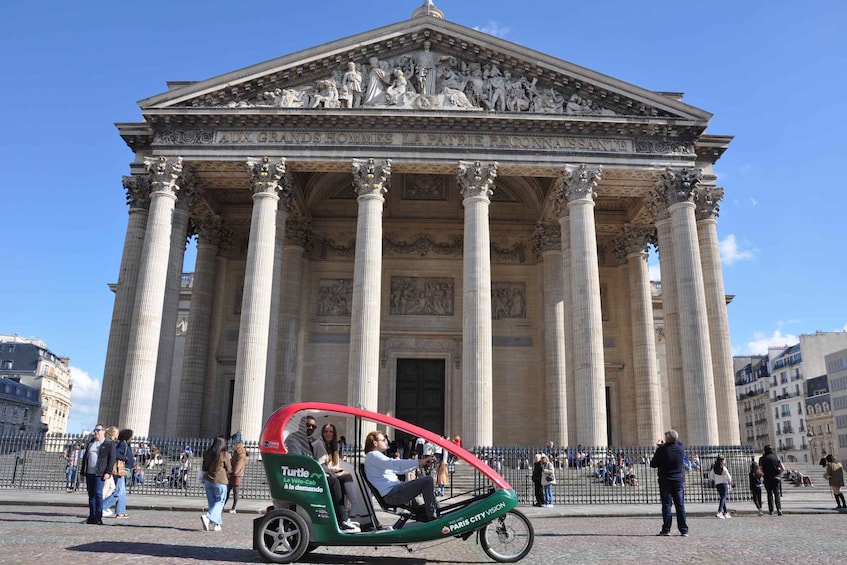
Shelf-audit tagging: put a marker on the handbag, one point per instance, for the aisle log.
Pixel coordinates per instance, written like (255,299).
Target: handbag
(108,487)
(119,470)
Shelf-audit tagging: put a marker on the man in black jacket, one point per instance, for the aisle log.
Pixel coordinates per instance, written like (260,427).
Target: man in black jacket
(772,469)
(669,460)
(97,463)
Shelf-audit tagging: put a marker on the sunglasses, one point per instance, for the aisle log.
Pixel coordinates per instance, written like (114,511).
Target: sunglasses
(99,430)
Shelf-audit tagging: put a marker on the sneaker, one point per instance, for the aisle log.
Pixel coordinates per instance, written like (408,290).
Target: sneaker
(684,534)
(761,513)
(216,528)
(663,534)
(779,512)
(727,515)
(349,527)
(233,511)
(107,513)
(206,521)
(122,516)
(721,516)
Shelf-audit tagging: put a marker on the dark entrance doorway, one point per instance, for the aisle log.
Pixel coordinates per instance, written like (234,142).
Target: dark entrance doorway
(420,394)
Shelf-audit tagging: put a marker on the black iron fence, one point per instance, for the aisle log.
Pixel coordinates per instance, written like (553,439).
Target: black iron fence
(614,475)
(169,466)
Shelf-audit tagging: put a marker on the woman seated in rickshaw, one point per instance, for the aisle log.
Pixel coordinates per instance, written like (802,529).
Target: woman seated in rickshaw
(381,472)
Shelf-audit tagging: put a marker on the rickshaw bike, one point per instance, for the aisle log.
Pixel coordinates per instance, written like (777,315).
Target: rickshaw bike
(303,518)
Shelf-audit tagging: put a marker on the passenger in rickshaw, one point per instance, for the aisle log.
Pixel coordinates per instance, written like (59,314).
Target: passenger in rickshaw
(381,472)
(326,450)
(300,443)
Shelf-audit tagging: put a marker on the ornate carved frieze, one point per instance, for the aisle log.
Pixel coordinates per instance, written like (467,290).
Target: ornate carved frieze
(326,248)
(422,245)
(514,254)
(267,175)
(137,191)
(664,147)
(184,137)
(335,297)
(424,187)
(508,300)
(634,238)
(299,232)
(579,182)
(476,179)
(417,296)
(164,172)
(708,202)
(370,177)
(547,237)
(679,185)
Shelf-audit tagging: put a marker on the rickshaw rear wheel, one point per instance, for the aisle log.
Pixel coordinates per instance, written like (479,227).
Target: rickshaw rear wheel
(507,538)
(282,536)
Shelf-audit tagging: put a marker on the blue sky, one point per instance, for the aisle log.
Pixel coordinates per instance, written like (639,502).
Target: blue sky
(772,73)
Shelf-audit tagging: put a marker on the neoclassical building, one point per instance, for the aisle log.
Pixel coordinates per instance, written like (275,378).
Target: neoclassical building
(430,222)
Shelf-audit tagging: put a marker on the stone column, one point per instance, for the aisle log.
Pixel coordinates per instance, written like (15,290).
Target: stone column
(370,180)
(548,244)
(678,185)
(162,421)
(577,185)
(212,235)
(276,299)
(632,246)
(138,198)
(567,295)
(476,183)
(137,398)
(658,205)
(252,357)
(214,385)
(289,361)
(707,200)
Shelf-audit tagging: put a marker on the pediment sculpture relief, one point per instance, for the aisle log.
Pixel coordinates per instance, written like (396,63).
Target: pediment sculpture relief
(428,80)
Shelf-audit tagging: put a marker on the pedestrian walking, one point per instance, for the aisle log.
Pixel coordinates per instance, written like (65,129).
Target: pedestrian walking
(125,463)
(722,479)
(669,461)
(216,467)
(772,469)
(755,476)
(835,475)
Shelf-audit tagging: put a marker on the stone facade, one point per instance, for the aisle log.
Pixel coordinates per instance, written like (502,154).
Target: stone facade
(427,192)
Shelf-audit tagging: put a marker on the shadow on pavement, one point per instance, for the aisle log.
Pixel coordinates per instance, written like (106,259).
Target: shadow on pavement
(226,554)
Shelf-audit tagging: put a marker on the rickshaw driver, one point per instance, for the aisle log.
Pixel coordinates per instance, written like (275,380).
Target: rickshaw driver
(382,471)
(300,443)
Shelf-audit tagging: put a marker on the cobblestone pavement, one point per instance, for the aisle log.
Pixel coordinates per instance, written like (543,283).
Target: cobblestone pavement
(33,534)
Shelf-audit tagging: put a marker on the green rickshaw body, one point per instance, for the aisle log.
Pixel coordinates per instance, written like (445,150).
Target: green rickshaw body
(299,480)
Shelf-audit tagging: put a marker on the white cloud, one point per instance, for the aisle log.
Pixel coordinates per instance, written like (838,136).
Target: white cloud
(730,252)
(655,272)
(753,201)
(85,401)
(761,342)
(494,28)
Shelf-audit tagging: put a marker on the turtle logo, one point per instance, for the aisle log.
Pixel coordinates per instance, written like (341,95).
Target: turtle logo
(316,476)
(445,530)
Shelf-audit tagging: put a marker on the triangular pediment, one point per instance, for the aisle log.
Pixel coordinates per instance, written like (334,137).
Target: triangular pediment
(424,64)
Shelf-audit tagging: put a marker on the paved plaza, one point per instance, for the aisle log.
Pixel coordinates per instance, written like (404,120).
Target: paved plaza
(37,526)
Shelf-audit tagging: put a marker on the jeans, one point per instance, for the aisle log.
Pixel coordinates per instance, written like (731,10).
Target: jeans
(757,496)
(94,484)
(672,495)
(774,486)
(70,475)
(215,496)
(723,490)
(548,494)
(118,497)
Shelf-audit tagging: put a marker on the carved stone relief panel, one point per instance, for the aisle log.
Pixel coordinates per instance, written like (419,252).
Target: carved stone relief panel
(418,296)
(508,300)
(335,297)
(424,187)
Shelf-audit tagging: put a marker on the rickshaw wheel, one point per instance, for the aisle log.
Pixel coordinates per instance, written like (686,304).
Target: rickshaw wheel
(282,536)
(507,538)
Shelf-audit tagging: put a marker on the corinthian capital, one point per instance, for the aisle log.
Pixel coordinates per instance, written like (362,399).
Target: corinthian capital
(679,185)
(299,232)
(578,183)
(213,229)
(137,191)
(708,202)
(189,193)
(634,238)
(547,237)
(370,177)
(265,175)
(657,203)
(476,179)
(164,173)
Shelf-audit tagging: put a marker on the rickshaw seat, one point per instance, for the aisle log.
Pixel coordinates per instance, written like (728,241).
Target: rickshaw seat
(412,509)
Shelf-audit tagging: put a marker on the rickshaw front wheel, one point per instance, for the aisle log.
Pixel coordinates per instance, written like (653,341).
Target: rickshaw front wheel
(507,538)
(282,536)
